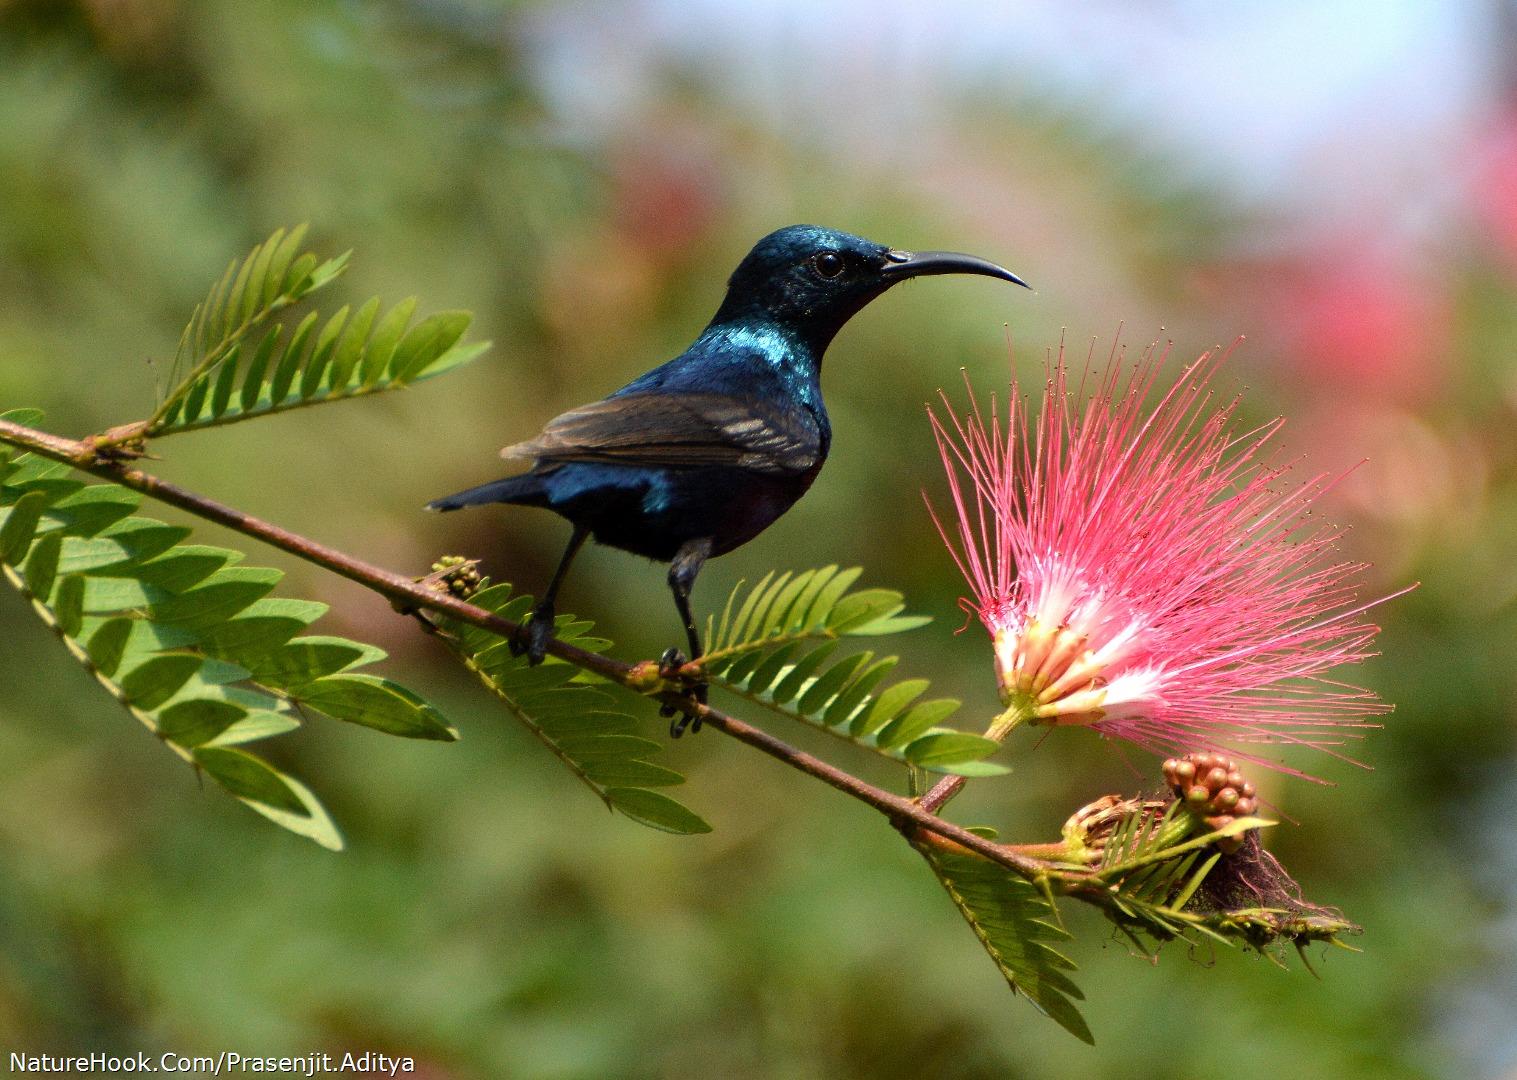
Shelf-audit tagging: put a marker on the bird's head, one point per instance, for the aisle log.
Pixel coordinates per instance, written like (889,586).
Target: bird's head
(814,280)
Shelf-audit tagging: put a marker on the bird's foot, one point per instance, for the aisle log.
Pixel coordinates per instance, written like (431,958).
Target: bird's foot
(670,665)
(539,628)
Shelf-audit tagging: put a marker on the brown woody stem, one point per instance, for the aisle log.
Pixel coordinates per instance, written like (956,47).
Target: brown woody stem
(949,786)
(904,813)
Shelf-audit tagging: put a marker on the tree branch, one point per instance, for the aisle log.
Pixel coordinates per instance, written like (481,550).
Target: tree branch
(946,788)
(642,678)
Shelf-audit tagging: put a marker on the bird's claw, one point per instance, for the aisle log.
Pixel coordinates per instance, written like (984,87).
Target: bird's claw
(670,665)
(539,628)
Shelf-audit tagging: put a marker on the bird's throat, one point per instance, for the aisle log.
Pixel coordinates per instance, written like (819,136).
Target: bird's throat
(792,355)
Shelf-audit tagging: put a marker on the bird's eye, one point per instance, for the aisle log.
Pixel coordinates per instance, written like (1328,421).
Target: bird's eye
(828,263)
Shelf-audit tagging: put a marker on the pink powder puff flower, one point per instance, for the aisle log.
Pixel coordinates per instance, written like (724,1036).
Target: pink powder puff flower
(1143,571)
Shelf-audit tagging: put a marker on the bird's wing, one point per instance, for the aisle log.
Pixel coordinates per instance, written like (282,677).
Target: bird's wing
(681,430)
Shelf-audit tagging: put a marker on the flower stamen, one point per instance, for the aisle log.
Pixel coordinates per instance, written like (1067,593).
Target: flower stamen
(1146,572)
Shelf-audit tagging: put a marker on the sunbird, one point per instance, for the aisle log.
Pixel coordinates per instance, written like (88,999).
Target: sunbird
(703,453)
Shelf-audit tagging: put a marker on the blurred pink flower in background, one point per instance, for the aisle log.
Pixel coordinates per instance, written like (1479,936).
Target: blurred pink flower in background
(1368,322)
(1351,313)
(1420,483)
(1142,570)
(668,189)
(1495,190)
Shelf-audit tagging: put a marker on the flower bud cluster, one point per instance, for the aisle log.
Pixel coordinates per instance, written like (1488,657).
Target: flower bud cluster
(1212,788)
(457,575)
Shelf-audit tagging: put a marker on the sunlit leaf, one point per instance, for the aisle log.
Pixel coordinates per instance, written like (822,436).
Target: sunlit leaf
(250,778)
(1015,923)
(376,703)
(657,810)
(575,720)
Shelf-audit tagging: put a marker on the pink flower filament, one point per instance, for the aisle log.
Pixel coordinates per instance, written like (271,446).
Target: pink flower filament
(1143,570)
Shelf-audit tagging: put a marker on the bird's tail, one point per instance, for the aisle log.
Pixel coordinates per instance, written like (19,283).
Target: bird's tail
(524,490)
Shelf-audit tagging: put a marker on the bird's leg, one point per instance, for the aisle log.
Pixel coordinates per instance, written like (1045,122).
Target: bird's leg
(682,572)
(539,624)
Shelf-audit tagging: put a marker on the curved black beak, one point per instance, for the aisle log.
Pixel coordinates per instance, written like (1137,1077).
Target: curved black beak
(906,264)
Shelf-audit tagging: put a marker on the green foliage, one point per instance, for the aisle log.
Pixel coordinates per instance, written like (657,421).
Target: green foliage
(192,645)
(352,353)
(1153,869)
(1147,878)
(1015,922)
(573,716)
(775,645)
(272,276)
(186,640)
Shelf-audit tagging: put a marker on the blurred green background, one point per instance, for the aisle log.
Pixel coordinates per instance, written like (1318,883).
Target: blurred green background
(1336,181)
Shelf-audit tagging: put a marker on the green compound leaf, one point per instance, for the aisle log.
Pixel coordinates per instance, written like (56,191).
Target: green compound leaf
(376,703)
(775,644)
(236,364)
(424,345)
(249,778)
(314,366)
(280,798)
(1015,923)
(198,720)
(1157,859)
(152,682)
(134,540)
(295,664)
(273,276)
(21,525)
(573,717)
(657,810)
(190,643)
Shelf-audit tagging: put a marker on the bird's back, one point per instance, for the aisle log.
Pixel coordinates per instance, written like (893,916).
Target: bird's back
(718,442)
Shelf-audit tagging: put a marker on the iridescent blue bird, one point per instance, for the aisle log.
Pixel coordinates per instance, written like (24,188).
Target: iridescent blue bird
(700,455)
